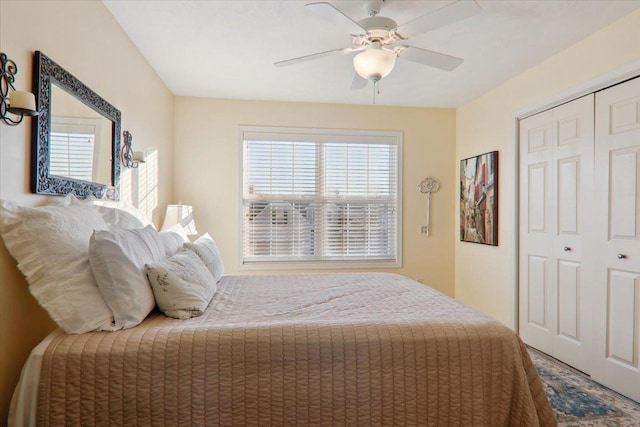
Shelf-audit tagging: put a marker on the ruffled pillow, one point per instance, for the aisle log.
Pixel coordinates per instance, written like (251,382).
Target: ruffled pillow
(50,244)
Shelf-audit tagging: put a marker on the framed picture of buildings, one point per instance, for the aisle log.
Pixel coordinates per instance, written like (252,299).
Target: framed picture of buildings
(479,199)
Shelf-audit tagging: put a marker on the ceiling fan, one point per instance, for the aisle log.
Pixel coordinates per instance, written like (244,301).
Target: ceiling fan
(379,40)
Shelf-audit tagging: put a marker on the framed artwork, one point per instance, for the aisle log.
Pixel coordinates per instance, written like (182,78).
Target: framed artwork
(479,199)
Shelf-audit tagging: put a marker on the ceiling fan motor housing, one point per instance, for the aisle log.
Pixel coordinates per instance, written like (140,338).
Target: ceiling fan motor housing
(378,29)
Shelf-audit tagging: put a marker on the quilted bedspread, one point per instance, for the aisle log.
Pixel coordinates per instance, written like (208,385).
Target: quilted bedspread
(365,349)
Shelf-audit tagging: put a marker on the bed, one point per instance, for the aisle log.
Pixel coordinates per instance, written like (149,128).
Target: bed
(295,349)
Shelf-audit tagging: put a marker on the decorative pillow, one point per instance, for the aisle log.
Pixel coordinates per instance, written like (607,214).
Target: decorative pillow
(118,259)
(182,285)
(207,250)
(51,246)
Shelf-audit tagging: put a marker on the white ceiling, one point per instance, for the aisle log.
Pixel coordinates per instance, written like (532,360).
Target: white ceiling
(226,49)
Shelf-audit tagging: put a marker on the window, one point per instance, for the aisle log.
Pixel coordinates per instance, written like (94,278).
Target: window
(72,146)
(320,198)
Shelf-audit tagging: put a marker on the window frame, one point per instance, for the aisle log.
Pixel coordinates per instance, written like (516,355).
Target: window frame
(318,135)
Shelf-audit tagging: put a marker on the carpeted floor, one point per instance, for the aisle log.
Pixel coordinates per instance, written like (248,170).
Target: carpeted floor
(579,401)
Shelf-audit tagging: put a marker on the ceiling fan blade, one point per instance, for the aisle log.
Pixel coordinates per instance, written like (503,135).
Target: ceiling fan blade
(358,82)
(331,13)
(429,57)
(313,56)
(453,12)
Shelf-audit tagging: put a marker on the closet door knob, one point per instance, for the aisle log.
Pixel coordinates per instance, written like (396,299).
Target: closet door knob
(566,249)
(621,256)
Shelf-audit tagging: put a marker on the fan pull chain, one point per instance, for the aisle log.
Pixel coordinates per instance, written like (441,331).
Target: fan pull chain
(376,90)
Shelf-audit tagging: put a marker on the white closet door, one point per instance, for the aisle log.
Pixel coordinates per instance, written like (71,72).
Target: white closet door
(617,314)
(556,171)
(573,136)
(537,268)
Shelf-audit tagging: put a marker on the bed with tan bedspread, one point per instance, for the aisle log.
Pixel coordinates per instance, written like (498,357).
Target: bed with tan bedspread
(302,349)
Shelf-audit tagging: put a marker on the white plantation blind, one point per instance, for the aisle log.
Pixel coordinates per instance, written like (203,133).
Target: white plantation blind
(320,196)
(72,147)
(71,155)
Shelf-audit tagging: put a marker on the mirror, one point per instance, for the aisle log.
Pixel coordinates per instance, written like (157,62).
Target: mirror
(76,137)
(79,140)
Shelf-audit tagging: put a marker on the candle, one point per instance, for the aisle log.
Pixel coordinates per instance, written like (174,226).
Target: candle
(138,156)
(22,102)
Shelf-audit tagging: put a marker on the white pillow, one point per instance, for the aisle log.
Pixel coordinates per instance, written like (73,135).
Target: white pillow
(182,285)
(119,218)
(179,229)
(207,250)
(51,246)
(115,214)
(118,259)
(173,239)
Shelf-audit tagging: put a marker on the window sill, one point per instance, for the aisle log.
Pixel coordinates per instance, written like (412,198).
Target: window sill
(317,265)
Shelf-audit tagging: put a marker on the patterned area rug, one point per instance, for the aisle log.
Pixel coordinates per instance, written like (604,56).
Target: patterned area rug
(579,401)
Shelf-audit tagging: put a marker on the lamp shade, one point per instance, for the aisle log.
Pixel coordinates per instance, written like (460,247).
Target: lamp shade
(374,63)
(179,214)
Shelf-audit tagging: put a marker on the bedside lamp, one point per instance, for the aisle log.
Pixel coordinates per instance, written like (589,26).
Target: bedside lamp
(180,214)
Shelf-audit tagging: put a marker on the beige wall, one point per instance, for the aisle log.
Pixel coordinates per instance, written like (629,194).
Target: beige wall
(83,38)
(207,169)
(485,276)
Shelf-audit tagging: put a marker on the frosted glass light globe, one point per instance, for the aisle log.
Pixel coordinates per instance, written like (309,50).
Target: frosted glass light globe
(374,63)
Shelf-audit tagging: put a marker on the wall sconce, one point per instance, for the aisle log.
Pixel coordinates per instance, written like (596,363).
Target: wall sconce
(13,101)
(130,159)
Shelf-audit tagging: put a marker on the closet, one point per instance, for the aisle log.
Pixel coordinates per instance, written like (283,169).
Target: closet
(579,234)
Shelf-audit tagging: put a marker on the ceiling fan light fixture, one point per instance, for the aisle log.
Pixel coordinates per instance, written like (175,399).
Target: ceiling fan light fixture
(374,63)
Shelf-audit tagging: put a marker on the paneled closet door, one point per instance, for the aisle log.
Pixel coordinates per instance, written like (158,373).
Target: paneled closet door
(556,172)
(617,314)
(573,226)
(536,265)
